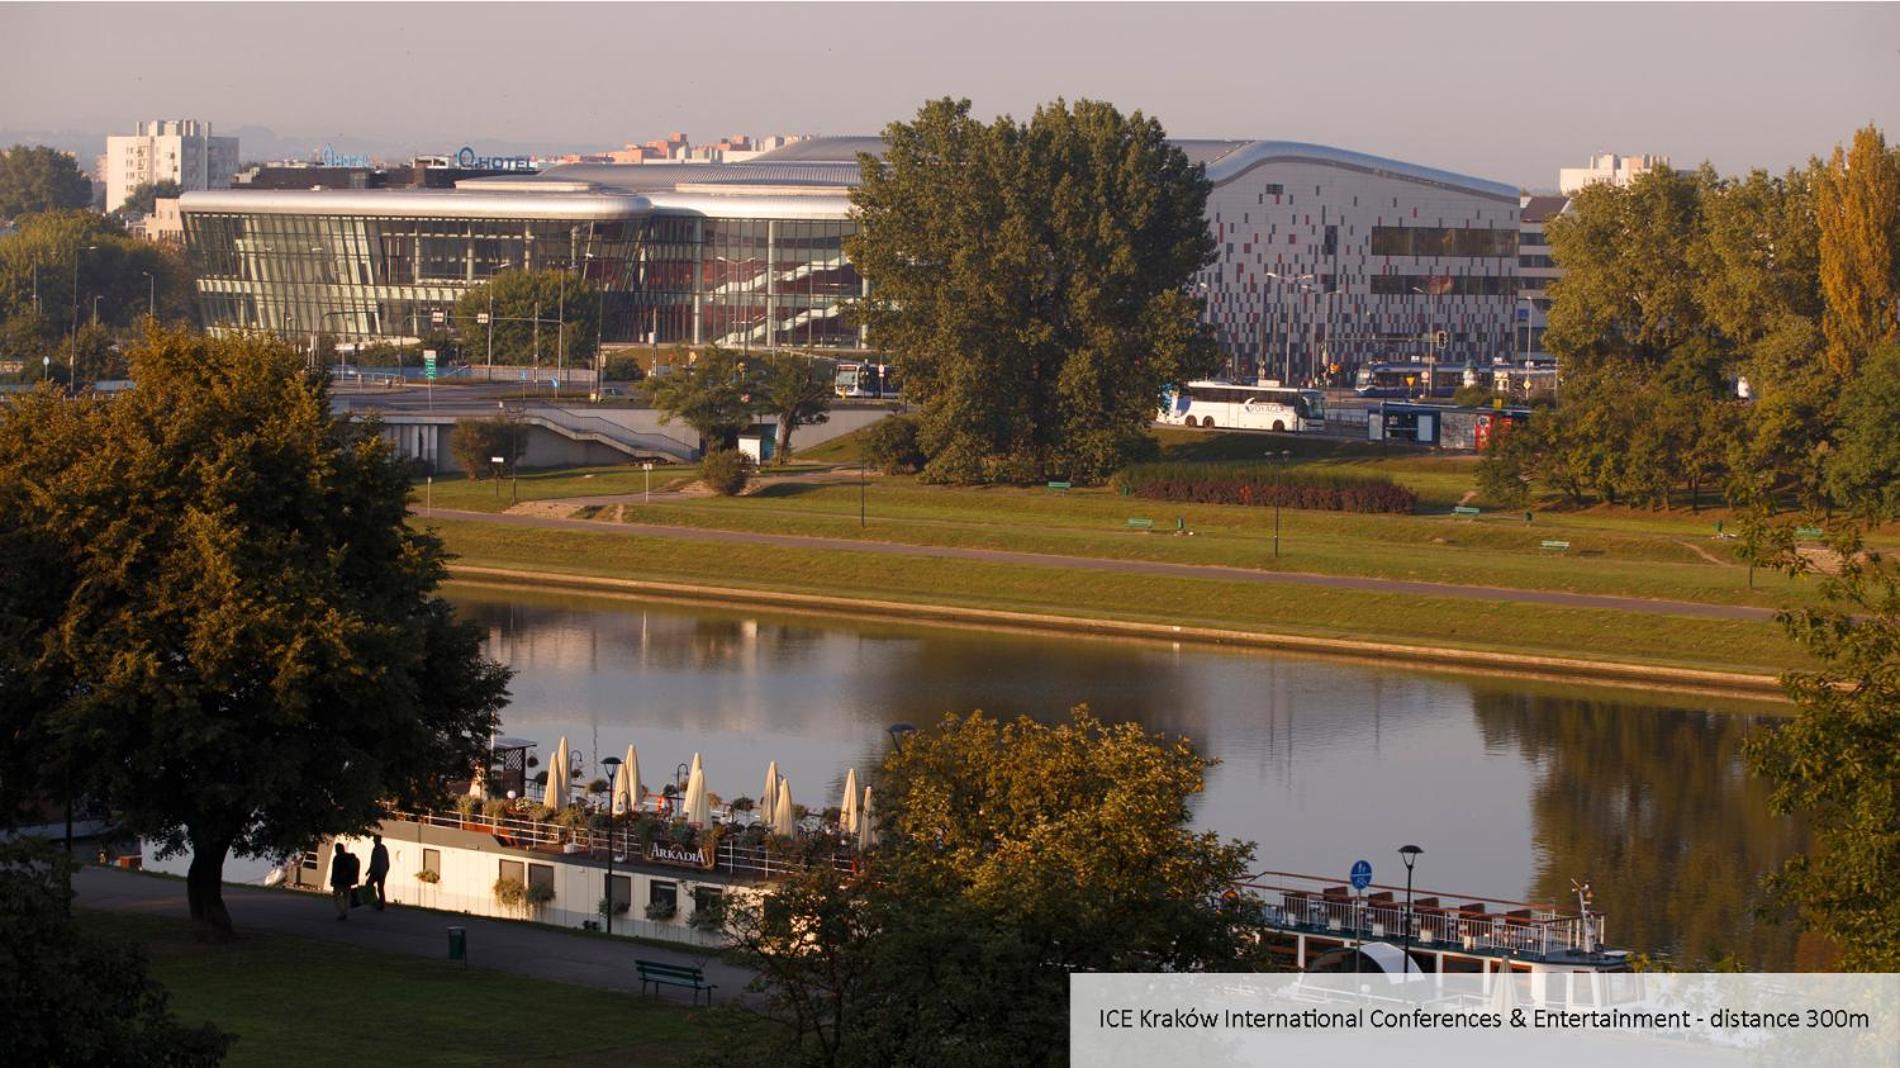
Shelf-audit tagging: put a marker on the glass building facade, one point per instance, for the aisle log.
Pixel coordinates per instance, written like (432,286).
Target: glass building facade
(357,266)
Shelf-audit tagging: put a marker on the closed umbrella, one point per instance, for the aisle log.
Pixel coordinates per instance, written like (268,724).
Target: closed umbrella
(478,784)
(848,812)
(768,801)
(622,797)
(1503,992)
(867,822)
(556,796)
(635,792)
(782,812)
(696,794)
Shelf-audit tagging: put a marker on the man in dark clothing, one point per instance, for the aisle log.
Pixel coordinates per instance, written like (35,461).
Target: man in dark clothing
(343,869)
(379,870)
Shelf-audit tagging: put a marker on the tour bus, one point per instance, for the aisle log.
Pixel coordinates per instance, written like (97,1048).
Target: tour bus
(865,380)
(1409,380)
(1231,406)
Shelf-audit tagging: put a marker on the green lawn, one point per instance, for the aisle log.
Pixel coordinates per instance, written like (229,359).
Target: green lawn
(294,1001)
(1587,633)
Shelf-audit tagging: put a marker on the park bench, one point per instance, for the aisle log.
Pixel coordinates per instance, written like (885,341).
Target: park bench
(652,971)
(1059,487)
(1464,509)
(1138,523)
(1554,546)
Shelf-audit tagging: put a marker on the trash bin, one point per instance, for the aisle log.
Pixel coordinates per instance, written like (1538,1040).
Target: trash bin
(458,944)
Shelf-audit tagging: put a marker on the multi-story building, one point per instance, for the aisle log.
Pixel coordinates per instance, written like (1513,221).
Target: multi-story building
(1536,270)
(1608,167)
(167,150)
(164,226)
(1324,256)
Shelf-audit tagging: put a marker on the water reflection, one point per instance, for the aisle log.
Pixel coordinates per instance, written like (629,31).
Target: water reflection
(1513,788)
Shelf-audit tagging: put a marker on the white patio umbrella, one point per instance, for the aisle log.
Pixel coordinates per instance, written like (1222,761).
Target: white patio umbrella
(768,801)
(556,796)
(478,784)
(782,812)
(635,792)
(848,812)
(695,804)
(622,796)
(867,822)
(1503,992)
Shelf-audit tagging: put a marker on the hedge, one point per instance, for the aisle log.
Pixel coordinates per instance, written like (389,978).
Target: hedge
(1261,484)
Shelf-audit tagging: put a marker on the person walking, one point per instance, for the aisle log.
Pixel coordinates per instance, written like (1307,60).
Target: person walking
(379,870)
(343,869)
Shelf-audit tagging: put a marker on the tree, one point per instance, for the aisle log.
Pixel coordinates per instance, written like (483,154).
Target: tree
(1015,854)
(243,650)
(1838,761)
(36,178)
(712,394)
(1629,285)
(1864,472)
(520,298)
(890,444)
(476,442)
(144,196)
(1858,205)
(797,389)
(73,999)
(1031,281)
(725,471)
(40,256)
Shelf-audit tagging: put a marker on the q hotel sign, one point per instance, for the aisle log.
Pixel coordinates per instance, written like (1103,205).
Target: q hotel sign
(467,159)
(699,856)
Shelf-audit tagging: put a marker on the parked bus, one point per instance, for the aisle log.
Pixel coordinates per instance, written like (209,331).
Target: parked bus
(865,380)
(1409,380)
(1230,406)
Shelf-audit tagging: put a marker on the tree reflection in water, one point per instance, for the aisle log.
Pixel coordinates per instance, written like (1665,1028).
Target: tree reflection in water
(1656,810)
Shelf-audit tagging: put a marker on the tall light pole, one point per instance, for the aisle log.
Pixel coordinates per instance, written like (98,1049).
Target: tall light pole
(1409,854)
(610,765)
(1286,326)
(503,265)
(1283,456)
(151,295)
(72,356)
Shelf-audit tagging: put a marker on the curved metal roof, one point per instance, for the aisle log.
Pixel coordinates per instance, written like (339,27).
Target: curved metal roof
(1247,156)
(422,203)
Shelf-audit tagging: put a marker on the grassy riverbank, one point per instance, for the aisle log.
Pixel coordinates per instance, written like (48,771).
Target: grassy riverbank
(291,1000)
(1499,627)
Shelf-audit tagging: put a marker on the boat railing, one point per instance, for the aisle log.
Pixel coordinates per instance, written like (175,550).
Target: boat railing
(1439,920)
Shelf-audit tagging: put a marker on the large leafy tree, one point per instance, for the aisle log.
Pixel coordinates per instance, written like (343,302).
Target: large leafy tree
(1031,281)
(1865,469)
(1015,854)
(711,391)
(1838,761)
(36,178)
(1629,286)
(38,259)
(238,646)
(520,299)
(144,197)
(1858,204)
(73,999)
(798,390)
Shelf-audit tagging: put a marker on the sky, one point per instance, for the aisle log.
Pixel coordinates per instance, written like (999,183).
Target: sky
(1505,91)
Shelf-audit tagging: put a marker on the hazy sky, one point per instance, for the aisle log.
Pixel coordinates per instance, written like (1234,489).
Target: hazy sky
(1504,91)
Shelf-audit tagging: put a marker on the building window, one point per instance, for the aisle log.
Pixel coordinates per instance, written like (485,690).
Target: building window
(514,871)
(1442,241)
(663,894)
(620,893)
(1275,189)
(1442,285)
(432,862)
(541,876)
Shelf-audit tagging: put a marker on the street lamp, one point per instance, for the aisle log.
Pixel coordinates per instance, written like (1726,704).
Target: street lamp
(72,357)
(610,765)
(899,732)
(1409,854)
(1286,326)
(151,295)
(1284,455)
(497,461)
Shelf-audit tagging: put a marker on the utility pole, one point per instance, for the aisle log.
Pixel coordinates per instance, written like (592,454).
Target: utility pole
(72,356)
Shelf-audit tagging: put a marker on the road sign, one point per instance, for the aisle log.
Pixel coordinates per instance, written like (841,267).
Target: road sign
(648,466)
(437,318)
(428,364)
(1361,874)
(481,318)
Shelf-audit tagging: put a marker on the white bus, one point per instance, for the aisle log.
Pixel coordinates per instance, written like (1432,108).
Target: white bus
(1230,406)
(864,380)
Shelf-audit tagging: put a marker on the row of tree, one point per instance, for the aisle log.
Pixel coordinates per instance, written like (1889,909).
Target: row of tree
(1680,287)
(719,393)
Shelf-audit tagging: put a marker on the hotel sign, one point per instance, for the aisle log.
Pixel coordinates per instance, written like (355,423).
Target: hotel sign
(469,160)
(678,856)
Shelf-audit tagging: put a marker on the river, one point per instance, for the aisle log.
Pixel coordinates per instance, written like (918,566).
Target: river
(1513,787)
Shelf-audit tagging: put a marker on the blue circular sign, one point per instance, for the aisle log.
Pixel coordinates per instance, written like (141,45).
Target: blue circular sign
(1361,874)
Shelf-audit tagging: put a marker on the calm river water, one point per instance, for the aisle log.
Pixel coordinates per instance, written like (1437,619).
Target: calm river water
(1512,787)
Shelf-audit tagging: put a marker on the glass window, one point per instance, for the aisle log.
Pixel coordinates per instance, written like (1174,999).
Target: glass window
(432,861)
(660,892)
(541,875)
(514,870)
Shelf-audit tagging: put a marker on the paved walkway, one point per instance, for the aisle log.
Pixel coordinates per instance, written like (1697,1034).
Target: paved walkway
(521,948)
(1134,567)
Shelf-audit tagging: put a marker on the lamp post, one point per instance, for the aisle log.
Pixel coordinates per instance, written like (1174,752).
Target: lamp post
(1284,455)
(497,461)
(151,295)
(610,765)
(1286,325)
(499,267)
(899,732)
(72,356)
(1409,854)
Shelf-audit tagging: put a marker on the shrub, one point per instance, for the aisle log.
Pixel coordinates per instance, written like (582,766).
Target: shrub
(598,786)
(429,876)
(624,367)
(709,915)
(540,894)
(476,442)
(511,893)
(742,804)
(660,910)
(890,445)
(725,471)
(618,908)
(1265,485)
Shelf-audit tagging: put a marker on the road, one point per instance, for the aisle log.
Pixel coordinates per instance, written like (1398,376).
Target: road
(1134,567)
(520,948)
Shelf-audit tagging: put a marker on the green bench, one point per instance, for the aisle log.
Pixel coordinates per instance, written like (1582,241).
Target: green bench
(1059,487)
(1554,546)
(1464,509)
(652,971)
(1809,533)
(1141,524)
